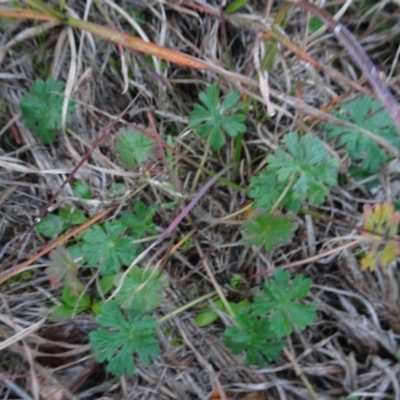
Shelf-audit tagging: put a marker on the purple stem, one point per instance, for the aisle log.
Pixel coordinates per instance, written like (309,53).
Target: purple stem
(172,226)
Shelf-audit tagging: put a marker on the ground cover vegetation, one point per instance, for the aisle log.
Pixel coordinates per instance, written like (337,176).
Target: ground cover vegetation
(204,206)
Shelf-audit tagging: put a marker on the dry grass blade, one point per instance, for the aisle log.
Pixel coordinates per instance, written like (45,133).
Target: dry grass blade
(277,75)
(21,334)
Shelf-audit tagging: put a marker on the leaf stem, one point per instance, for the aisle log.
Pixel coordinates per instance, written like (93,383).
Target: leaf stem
(201,166)
(300,373)
(185,307)
(214,282)
(283,194)
(237,148)
(236,213)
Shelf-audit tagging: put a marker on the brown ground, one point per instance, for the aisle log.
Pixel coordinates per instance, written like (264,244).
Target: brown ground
(350,350)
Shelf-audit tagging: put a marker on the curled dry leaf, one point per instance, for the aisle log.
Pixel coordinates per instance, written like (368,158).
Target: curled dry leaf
(62,268)
(380,228)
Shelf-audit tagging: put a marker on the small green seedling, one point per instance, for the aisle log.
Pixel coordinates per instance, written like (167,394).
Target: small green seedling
(260,328)
(315,24)
(209,315)
(269,230)
(141,290)
(119,336)
(81,190)
(41,108)
(213,118)
(53,225)
(134,148)
(140,221)
(304,173)
(107,247)
(74,301)
(307,168)
(253,336)
(369,114)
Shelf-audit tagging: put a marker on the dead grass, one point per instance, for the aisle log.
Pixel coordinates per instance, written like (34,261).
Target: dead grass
(351,350)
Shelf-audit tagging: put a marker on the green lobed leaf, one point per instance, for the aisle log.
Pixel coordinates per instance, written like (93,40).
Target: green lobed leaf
(76,254)
(141,220)
(72,216)
(369,114)
(269,230)
(210,97)
(64,311)
(41,108)
(134,148)
(280,321)
(141,290)
(302,315)
(119,337)
(230,103)
(106,247)
(208,315)
(72,296)
(265,188)
(253,335)
(308,164)
(213,119)
(74,300)
(50,226)
(303,173)
(106,283)
(314,24)
(81,191)
(96,307)
(279,301)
